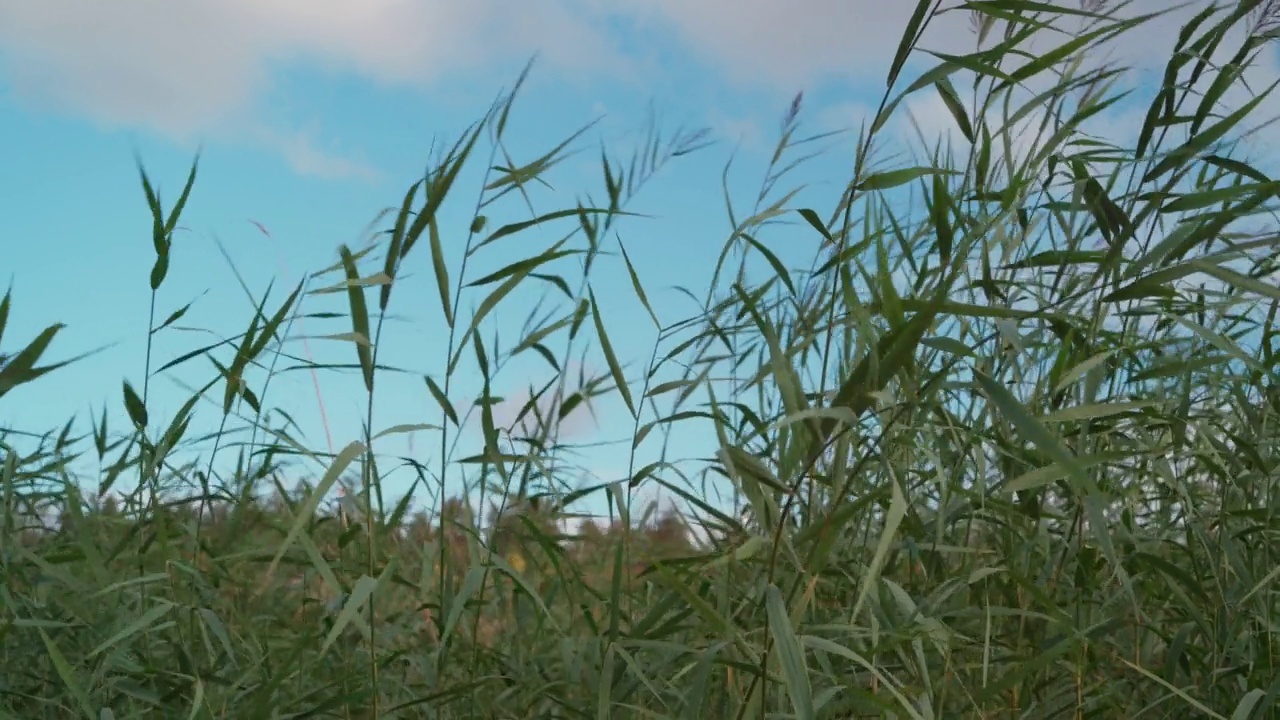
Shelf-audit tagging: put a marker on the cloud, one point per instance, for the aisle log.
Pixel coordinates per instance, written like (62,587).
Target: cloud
(199,67)
(789,45)
(189,67)
(165,66)
(302,151)
(188,70)
(1144,53)
(579,421)
(745,131)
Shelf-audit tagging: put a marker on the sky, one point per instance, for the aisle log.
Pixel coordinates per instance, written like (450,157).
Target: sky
(310,118)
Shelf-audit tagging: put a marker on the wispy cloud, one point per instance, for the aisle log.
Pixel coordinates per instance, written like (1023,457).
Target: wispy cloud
(200,67)
(301,149)
(192,67)
(580,420)
(189,67)
(744,131)
(197,69)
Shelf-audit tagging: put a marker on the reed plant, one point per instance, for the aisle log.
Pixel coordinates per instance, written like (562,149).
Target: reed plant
(1005,447)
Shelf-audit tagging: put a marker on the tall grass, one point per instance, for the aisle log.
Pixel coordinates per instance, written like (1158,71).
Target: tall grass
(1009,452)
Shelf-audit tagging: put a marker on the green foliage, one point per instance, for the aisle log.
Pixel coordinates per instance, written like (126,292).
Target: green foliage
(1012,454)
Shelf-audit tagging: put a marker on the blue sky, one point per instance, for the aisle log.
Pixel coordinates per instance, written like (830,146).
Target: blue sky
(312,117)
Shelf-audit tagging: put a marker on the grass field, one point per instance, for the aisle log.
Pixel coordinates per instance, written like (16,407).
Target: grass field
(1006,448)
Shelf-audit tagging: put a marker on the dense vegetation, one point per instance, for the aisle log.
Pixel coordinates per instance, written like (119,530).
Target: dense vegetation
(1009,452)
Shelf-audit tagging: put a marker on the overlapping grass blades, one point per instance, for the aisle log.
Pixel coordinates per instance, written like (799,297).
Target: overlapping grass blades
(1009,454)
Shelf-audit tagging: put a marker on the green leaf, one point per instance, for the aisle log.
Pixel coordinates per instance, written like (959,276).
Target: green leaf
(134,406)
(269,329)
(1244,709)
(359,597)
(513,228)
(791,655)
(470,586)
(951,99)
(5,303)
(948,345)
(615,368)
(1153,284)
(1200,707)
(1029,426)
(1093,411)
(523,267)
(1058,258)
(908,41)
(941,215)
(405,428)
(396,251)
(637,287)
(359,317)
(1019,672)
(893,178)
(160,269)
(1202,141)
(873,373)
(172,223)
(716,622)
(1237,167)
(812,218)
(492,299)
(174,317)
(1038,434)
(892,520)
(140,624)
(308,507)
(1045,60)
(1235,279)
(442,400)
(779,269)
(21,367)
(1115,225)
(441,270)
(1203,198)
(833,648)
(1054,472)
(67,675)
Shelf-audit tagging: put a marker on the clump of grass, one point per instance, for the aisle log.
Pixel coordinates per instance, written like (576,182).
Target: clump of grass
(1009,454)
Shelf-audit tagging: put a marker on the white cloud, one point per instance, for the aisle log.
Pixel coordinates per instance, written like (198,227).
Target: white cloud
(199,67)
(742,131)
(115,62)
(791,44)
(581,420)
(194,68)
(187,67)
(302,151)
(1144,53)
